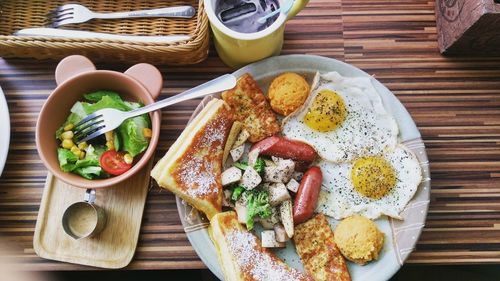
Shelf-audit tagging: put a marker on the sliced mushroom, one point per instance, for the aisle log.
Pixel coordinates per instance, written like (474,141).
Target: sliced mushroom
(278,193)
(280,233)
(237,152)
(293,185)
(280,173)
(231,175)
(226,200)
(250,178)
(287,217)
(241,211)
(269,240)
(268,223)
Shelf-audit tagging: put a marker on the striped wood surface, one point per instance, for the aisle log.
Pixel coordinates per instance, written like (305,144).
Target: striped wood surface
(454,101)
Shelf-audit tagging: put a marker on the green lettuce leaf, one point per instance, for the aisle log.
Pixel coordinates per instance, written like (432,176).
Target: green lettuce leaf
(90,172)
(132,134)
(97,96)
(67,159)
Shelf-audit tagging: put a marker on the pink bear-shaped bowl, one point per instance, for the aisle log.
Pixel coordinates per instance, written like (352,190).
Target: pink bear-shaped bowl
(76,76)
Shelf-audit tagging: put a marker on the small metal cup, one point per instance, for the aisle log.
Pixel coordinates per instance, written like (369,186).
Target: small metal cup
(84,219)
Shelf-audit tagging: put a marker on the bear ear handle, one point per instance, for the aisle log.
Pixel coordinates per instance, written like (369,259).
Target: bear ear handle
(71,66)
(149,76)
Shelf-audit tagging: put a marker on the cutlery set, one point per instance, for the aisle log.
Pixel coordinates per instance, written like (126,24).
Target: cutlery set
(75,13)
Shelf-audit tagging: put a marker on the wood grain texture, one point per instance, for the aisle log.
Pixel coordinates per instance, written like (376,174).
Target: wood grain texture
(114,247)
(455,103)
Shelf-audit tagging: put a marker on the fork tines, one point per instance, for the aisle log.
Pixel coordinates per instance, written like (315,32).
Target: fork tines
(56,16)
(88,127)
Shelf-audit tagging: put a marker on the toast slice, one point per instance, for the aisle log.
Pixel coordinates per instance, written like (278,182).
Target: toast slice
(192,166)
(241,255)
(251,107)
(318,251)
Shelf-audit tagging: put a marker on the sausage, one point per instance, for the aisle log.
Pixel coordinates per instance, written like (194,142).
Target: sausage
(307,196)
(285,148)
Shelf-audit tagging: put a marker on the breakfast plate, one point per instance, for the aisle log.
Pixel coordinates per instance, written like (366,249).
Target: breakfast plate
(401,235)
(4,130)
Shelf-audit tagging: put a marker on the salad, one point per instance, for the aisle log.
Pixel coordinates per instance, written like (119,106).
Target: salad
(110,154)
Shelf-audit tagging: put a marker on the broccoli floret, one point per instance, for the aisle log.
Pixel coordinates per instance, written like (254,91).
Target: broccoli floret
(257,205)
(237,191)
(241,165)
(259,166)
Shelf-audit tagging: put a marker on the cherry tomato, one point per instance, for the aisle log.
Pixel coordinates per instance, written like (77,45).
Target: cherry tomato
(113,162)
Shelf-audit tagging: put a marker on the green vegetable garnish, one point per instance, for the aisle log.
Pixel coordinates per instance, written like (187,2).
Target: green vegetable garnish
(260,164)
(241,165)
(257,205)
(237,191)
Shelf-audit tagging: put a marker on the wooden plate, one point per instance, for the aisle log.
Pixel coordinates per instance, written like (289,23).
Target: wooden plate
(401,236)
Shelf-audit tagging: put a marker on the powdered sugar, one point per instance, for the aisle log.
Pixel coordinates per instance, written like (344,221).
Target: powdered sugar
(257,263)
(199,174)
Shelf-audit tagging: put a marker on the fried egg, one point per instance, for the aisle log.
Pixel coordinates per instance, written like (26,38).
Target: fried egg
(343,118)
(371,185)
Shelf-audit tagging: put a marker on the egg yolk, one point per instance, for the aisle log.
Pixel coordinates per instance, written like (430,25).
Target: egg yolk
(373,177)
(327,112)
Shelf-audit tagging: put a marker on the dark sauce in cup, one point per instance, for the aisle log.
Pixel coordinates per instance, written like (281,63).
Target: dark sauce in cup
(242,15)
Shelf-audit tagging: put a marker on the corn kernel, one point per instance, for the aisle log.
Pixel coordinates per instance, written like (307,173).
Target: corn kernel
(67,135)
(147,132)
(83,145)
(76,151)
(109,136)
(69,127)
(128,158)
(67,143)
(82,155)
(110,145)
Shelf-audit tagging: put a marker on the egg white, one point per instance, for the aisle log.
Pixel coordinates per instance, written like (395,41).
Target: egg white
(367,130)
(339,199)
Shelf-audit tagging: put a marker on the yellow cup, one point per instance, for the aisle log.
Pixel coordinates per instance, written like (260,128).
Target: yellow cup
(237,49)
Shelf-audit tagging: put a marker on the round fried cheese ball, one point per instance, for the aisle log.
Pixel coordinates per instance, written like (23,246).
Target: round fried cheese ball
(359,240)
(288,92)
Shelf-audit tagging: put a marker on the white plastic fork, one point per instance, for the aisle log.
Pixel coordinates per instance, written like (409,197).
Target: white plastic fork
(105,120)
(75,13)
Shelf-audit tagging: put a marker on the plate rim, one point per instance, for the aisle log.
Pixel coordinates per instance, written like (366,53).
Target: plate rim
(194,235)
(5,134)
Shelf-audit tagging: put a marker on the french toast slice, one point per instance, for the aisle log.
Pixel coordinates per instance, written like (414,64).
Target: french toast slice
(192,166)
(251,107)
(241,255)
(319,253)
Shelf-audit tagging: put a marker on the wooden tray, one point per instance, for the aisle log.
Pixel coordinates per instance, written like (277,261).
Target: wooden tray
(115,246)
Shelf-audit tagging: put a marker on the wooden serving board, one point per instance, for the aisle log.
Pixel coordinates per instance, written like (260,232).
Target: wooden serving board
(115,246)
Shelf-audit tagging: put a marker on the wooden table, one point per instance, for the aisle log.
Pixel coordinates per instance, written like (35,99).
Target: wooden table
(454,101)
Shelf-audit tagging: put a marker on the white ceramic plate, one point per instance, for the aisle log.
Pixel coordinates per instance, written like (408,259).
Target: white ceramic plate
(401,236)
(4,130)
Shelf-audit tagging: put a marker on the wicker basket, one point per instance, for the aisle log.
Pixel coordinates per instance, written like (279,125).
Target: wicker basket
(19,14)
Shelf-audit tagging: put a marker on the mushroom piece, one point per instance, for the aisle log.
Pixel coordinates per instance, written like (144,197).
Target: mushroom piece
(278,193)
(231,175)
(237,152)
(280,233)
(269,240)
(250,178)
